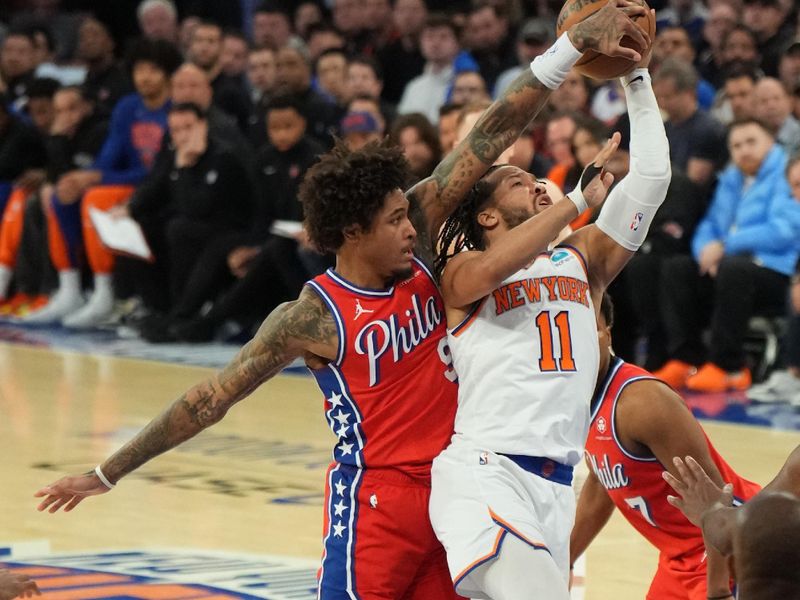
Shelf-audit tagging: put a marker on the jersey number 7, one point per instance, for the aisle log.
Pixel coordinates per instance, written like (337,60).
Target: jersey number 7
(548,363)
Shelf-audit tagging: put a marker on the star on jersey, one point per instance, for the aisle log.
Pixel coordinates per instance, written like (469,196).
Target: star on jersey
(338,529)
(342,431)
(339,508)
(340,487)
(342,417)
(335,400)
(346,448)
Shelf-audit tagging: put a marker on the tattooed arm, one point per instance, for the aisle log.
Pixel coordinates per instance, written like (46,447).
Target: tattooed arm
(433,199)
(291,330)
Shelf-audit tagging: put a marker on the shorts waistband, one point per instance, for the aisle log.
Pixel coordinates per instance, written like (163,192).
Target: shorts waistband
(421,478)
(545,468)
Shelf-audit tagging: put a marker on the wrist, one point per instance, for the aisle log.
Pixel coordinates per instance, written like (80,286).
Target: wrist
(578,199)
(103,478)
(552,67)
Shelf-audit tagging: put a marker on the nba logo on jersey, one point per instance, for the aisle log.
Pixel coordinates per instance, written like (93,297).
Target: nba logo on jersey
(637,220)
(483,459)
(601,425)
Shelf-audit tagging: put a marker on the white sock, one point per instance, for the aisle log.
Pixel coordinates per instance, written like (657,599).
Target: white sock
(69,282)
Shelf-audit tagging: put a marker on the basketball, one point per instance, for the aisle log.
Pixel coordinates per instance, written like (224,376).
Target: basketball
(596,65)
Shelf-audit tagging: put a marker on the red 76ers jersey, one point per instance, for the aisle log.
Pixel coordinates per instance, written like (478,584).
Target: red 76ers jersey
(390,395)
(635,483)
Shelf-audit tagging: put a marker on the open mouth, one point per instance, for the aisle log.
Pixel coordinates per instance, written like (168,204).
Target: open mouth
(542,200)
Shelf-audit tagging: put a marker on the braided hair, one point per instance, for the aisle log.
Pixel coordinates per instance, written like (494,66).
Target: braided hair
(461,231)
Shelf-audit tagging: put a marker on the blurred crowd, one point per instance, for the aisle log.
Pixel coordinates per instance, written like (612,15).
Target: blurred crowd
(198,119)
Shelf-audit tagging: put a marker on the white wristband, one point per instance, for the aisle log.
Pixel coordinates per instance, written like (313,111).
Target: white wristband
(552,67)
(98,471)
(577,198)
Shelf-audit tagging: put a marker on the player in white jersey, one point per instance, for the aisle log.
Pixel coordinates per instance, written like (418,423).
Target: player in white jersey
(523,336)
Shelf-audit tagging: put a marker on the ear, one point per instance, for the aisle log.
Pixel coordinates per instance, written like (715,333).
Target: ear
(488,218)
(352,233)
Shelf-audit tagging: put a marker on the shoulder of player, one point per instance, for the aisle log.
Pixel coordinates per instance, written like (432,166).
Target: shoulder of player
(645,407)
(305,324)
(454,267)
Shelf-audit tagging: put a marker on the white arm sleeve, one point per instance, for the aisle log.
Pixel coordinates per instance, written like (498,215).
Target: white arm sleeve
(632,204)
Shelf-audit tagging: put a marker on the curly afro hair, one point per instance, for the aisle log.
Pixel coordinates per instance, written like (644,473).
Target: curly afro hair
(347,188)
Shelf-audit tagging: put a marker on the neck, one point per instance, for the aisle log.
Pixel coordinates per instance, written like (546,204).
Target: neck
(213,71)
(359,273)
(157,101)
(438,66)
(605,363)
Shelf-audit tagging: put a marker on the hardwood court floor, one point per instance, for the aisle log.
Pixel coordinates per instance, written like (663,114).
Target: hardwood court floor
(253,483)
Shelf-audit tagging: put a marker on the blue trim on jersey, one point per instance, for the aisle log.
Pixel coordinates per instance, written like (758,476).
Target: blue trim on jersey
(344,418)
(354,288)
(579,254)
(337,318)
(630,455)
(329,511)
(538,465)
(475,308)
(338,563)
(424,267)
(597,401)
(485,559)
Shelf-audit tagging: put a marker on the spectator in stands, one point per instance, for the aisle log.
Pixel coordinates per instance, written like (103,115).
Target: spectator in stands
(21,149)
(208,195)
(294,78)
(39,106)
(403,53)
(331,76)
(359,129)
(137,127)
(739,90)
(378,25)
(744,251)
(186,31)
(739,45)
(696,140)
(77,134)
(789,67)
(534,37)
(572,95)
(272,26)
(420,143)
(306,15)
(427,92)
(370,105)
(783,385)
(767,19)
(721,19)
(17,64)
(348,17)
(558,140)
(259,264)
(234,54)
(106,81)
(487,38)
(365,78)
(674,42)
(205,51)
(448,126)
(261,75)
(687,14)
(774,109)
(322,37)
(469,88)
(158,20)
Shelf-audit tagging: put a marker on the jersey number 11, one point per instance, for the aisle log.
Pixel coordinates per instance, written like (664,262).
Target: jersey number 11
(548,363)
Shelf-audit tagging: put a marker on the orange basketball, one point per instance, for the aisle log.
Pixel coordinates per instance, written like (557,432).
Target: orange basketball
(596,65)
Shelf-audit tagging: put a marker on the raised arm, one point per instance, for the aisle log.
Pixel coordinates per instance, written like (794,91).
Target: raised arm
(434,198)
(292,329)
(631,206)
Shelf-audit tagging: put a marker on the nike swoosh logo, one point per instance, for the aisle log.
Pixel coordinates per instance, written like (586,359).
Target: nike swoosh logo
(635,79)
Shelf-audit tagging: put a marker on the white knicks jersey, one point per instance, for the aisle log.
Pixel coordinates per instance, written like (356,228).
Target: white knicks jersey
(527,357)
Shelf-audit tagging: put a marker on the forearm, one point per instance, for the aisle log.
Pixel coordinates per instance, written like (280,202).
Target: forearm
(198,408)
(718,575)
(593,512)
(718,525)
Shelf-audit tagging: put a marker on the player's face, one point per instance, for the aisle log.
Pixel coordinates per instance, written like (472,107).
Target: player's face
(519,196)
(389,244)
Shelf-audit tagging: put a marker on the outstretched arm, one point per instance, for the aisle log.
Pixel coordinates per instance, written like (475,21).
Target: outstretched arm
(304,325)
(434,198)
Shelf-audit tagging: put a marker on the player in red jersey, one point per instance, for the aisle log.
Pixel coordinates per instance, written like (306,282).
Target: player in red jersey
(372,333)
(638,424)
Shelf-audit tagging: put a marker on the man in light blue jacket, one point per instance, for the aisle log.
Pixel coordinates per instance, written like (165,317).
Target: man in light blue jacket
(744,252)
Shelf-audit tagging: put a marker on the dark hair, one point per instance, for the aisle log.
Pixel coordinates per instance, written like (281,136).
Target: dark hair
(232,32)
(449,108)
(366,98)
(739,27)
(426,132)
(25,32)
(607,310)
(368,62)
(188,107)
(39,27)
(330,52)
(461,230)
(78,89)
(347,188)
(479,5)
(744,121)
(161,53)
(43,87)
(681,73)
(738,69)
(286,101)
(272,7)
(596,128)
(437,20)
(322,27)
